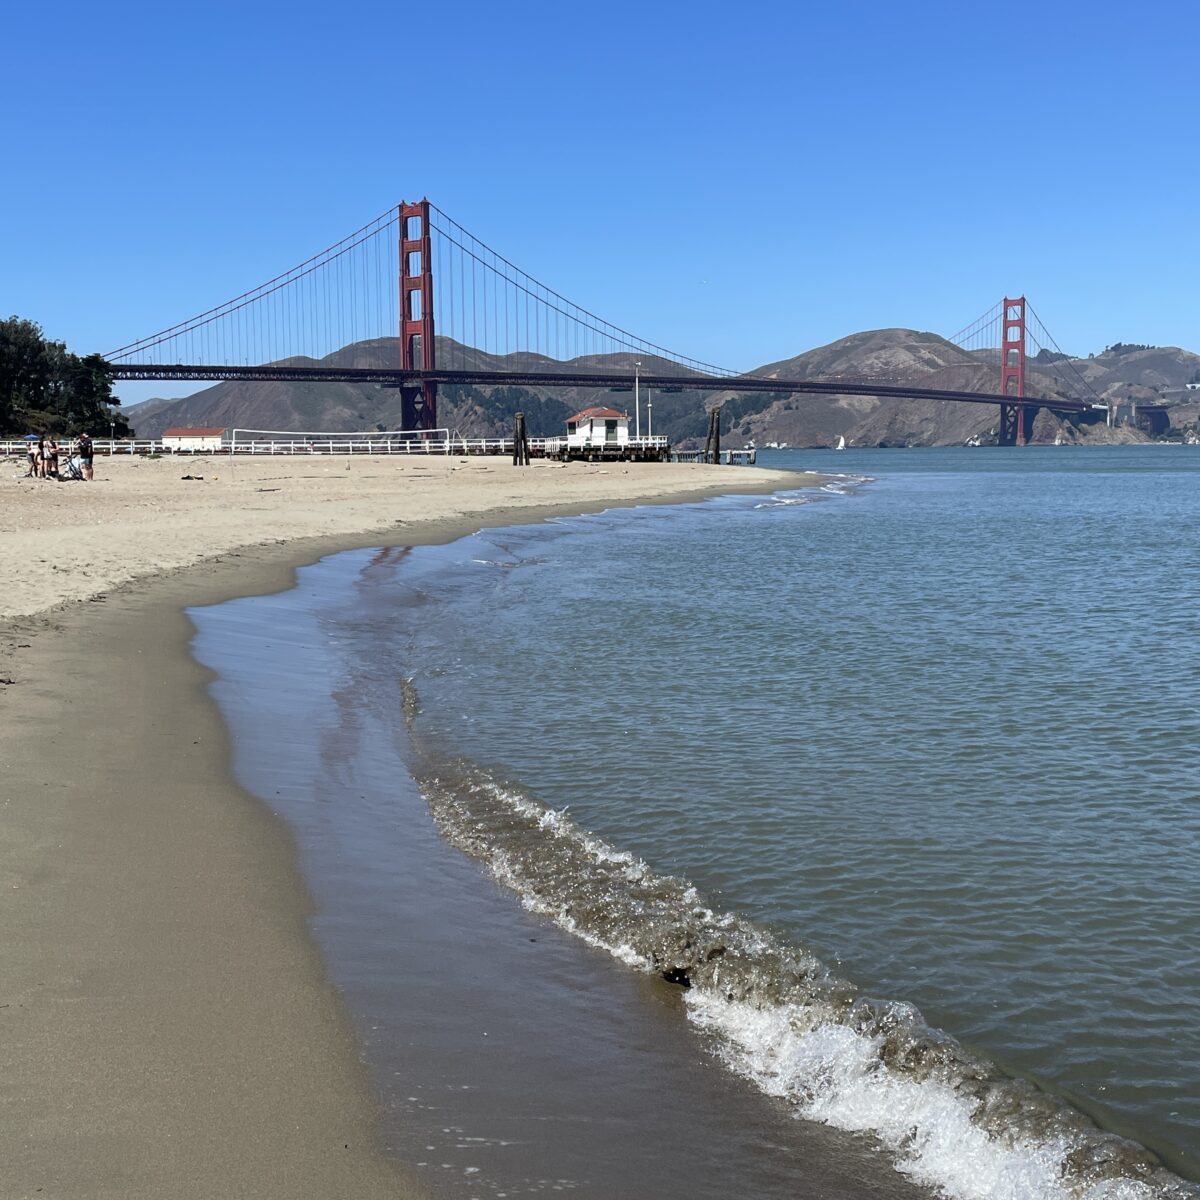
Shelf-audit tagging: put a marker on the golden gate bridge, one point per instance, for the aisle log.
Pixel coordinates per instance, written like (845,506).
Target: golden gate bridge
(414,301)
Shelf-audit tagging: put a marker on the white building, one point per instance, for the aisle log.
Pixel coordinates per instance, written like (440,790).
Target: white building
(598,428)
(191,441)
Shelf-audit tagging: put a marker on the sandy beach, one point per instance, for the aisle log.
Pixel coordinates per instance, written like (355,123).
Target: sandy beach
(142,517)
(169,1028)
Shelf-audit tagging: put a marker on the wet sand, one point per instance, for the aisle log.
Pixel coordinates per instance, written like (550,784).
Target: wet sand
(509,1057)
(168,1025)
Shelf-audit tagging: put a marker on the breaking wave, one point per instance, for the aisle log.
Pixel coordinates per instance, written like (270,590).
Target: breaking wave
(781,1018)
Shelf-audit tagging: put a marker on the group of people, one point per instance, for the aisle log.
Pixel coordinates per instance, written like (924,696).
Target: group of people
(44,454)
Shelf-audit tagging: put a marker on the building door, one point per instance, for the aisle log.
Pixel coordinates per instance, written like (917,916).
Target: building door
(610,431)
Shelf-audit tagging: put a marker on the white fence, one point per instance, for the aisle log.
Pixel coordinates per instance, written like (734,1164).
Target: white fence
(730,458)
(380,446)
(20,447)
(557,445)
(310,444)
(366,445)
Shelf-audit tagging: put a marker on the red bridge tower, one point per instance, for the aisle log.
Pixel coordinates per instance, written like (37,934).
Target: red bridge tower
(418,404)
(1016,420)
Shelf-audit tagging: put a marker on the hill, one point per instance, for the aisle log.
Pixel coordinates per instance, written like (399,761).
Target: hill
(888,356)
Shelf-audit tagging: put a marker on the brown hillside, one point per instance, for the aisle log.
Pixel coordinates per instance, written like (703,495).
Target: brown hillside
(886,356)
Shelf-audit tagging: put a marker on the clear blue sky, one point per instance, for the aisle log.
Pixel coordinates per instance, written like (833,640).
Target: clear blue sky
(736,181)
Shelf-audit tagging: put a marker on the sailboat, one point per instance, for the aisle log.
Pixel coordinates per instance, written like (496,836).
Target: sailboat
(841,443)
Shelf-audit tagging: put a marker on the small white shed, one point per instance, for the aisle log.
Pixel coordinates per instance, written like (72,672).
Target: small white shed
(598,428)
(191,441)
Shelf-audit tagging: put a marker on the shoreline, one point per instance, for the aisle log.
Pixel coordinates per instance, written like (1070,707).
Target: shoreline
(147,518)
(171,1025)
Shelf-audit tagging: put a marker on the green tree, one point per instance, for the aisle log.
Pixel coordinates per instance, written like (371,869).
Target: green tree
(44,386)
(25,370)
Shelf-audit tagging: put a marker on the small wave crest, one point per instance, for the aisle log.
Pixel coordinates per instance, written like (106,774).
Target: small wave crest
(841,485)
(508,564)
(784,501)
(781,1018)
(831,485)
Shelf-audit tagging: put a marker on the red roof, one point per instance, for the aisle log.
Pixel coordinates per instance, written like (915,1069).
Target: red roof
(199,431)
(596,413)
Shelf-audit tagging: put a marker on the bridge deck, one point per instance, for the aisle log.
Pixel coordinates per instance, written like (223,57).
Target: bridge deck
(393,377)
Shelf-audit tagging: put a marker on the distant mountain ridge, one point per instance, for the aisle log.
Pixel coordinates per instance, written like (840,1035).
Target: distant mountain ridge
(1120,374)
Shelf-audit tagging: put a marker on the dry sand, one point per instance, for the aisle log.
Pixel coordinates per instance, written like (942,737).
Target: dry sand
(140,516)
(166,1025)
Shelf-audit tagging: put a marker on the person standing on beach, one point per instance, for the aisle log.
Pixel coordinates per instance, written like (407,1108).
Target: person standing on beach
(83,447)
(34,459)
(50,458)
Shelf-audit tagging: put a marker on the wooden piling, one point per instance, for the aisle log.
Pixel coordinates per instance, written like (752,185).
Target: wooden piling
(520,442)
(712,444)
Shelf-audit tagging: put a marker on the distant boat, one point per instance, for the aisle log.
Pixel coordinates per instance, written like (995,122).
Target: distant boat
(974,440)
(841,443)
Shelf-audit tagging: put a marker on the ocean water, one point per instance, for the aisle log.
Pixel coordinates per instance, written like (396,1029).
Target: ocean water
(890,787)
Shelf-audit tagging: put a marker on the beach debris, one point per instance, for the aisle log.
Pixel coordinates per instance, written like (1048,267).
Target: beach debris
(266,489)
(191,477)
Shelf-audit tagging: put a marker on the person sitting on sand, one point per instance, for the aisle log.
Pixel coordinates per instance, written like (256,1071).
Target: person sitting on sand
(83,447)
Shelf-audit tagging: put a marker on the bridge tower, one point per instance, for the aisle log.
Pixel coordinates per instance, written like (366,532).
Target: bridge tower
(418,404)
(1016,420)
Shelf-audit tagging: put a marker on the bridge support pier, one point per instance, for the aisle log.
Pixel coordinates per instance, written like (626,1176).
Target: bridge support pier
(1016,424)
(418,406)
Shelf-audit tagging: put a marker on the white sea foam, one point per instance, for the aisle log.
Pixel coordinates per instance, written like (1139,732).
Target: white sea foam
(832,485)
(784,502)
(834,1074)
(841,485)
(832,1063)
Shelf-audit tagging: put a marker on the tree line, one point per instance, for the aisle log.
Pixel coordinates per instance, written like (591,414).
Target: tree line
(44,388)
